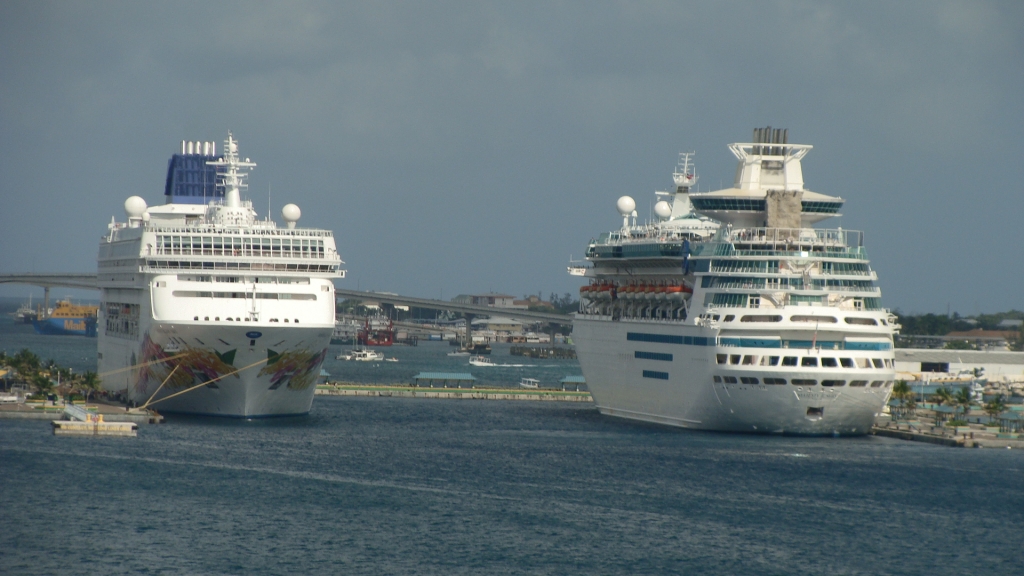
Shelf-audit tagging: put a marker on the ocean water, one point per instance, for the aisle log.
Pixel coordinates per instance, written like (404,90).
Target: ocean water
(422,486)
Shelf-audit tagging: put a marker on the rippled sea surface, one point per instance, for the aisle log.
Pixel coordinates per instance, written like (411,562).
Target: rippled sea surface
(421,486)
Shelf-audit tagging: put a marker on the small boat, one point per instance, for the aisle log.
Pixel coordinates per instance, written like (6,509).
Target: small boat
(361,356)
(531,383)
(392,359)
(481,361)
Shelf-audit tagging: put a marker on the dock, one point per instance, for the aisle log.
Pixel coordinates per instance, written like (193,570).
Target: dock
(48,411)
(82,422)
(973,436)
(474,393)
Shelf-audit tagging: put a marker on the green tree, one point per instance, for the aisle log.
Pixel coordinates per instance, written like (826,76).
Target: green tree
(995,407)
(963,400)
(902,393)
(89,384)
(942,396)
(42,384)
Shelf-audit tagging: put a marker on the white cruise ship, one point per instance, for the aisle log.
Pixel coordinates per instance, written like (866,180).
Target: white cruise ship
(732,312)
(205,308)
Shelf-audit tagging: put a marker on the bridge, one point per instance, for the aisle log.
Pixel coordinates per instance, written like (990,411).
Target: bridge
(89,281)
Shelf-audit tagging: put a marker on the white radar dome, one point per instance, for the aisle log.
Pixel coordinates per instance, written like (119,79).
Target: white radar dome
(291,214)
(662,209)
(626,205)
(135,207)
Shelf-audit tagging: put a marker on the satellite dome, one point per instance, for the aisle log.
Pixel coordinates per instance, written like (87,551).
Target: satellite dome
(626,205)
(291,214)
(135,207)
(662,209)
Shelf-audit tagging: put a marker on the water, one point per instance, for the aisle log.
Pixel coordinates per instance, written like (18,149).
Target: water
(433,357)
(417,486)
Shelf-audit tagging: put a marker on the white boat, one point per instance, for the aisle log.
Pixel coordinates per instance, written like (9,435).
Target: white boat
(531,383)
(479,360)
(207,309)
(754,321)
(392,359)
(363,355)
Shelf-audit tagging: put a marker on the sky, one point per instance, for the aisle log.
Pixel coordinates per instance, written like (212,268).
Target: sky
(467,147)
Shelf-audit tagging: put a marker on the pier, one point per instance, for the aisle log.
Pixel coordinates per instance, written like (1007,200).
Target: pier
(404,391)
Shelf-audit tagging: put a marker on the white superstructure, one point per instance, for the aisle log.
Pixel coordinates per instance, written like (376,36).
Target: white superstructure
(207,309)
(751,322)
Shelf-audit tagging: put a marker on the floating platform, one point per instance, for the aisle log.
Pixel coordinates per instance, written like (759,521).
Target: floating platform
(79,428)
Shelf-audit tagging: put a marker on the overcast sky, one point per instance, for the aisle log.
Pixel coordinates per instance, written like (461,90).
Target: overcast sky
(468,147)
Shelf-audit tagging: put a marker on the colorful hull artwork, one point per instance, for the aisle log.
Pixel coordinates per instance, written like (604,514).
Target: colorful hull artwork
(189,367)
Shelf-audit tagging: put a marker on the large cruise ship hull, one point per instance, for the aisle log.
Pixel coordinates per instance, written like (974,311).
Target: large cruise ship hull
(673,384)
(241,371)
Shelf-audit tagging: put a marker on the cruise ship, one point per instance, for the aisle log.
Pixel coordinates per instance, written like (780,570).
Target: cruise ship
(207,309)
(732,312)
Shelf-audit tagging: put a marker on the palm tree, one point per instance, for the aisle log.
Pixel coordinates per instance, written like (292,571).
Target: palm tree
(90,383)
(942,396)
(42,384)
(963,400)
(995,407)
(901,392)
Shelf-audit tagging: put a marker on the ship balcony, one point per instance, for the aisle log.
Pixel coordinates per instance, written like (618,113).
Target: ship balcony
(792,238)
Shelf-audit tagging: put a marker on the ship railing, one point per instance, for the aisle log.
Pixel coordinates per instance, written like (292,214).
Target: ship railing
(792,236)
(161,251)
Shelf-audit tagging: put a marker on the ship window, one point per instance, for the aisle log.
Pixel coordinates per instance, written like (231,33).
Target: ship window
(748,380)
(877,383)
(729,318)
(833,383)
(729,379)
(816,319)
(718,379)
(734,359)
(809,361)
(863,363)
(862,321)
(196,318)
(858,383)
(877,362)
(722,358)
(789,361)
(802,382)
(846,362)
(829,363)
(749,360)
(774,380)
(760,318)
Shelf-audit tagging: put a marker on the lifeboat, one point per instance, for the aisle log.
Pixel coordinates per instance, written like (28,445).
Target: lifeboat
(678,293)
(604,292)
(659,292)
(649,292)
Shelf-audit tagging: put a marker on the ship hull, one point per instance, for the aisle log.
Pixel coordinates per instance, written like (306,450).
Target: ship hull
(65,326)
(682,391)
(240,371)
